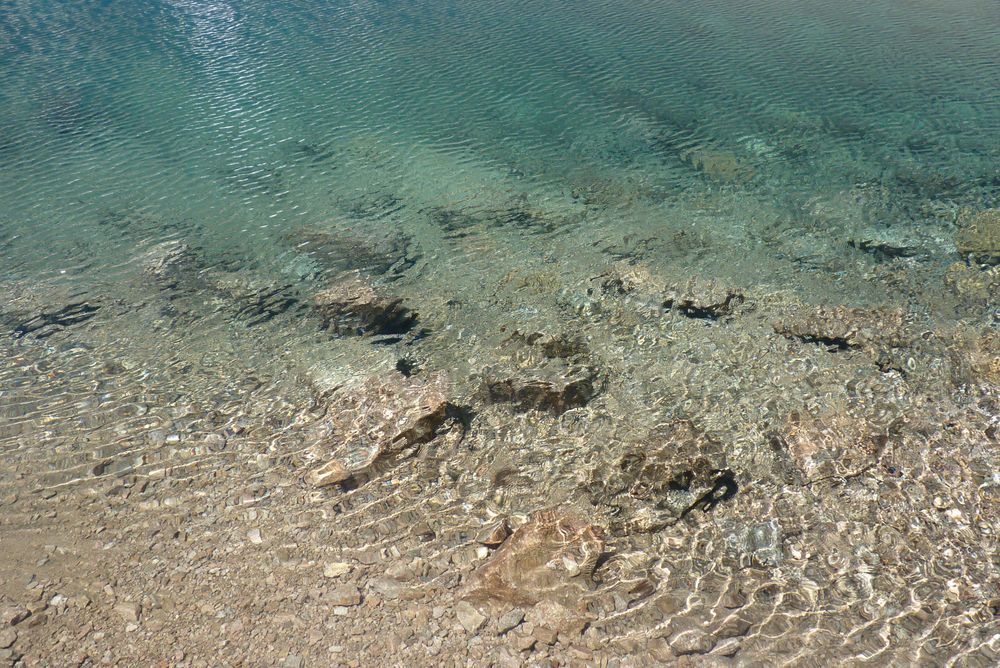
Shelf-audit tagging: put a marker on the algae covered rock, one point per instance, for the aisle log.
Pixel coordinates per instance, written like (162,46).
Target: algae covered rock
(382,417)
(978,235)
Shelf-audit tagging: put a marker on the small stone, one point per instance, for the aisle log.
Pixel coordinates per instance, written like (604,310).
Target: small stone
(660,650)
(400,572)
(129,611)
(294,661)
(334,569)
(345,595)
(728,647)
(7,638)
(692,642)
(524,643)
(509,620)
(254,536)
(14,615)
(388,587)
(470,618)
(493,536)
(544,635)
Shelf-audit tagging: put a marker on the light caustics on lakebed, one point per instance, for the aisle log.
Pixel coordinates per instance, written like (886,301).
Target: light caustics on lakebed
(680,317)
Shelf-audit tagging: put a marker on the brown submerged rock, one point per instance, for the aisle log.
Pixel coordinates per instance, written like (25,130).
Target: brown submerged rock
(831,444)
(551,557)
(383,417)
(555,388)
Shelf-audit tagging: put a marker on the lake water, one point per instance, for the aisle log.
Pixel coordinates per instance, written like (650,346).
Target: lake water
(179,179)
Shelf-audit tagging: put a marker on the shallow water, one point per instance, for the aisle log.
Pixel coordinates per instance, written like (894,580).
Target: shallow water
(228,123)
(179,179)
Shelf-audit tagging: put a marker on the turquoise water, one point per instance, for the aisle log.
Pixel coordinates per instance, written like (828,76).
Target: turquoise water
(605,233)
(226,123)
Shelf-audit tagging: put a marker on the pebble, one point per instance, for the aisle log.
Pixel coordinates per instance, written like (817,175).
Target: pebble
(255,537)
(129,611)
(470,618)
(544,635)
(524,643)
(509,620)
(344,595)
(13,615)
(334,569)
(7,638)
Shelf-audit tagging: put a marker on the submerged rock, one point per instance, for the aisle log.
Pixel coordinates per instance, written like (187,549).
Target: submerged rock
(164,261)
(551,557)
(831,444)
(718,165)
(354,305)
(694,298)
(972,283)
(844,327)
(48,322)
(383,417)
(341,246)
(978,235)
(703,299)
(675,471)
(887,245)
(554,388)
(632,277)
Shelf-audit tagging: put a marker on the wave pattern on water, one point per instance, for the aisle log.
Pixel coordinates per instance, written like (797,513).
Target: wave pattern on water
(663,258)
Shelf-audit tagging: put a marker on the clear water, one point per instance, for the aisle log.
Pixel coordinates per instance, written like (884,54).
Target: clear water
(490,162)
(227,123)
